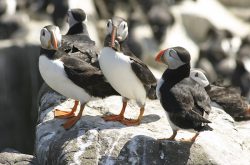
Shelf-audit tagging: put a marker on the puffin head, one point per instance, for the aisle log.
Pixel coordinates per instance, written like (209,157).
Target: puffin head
(199,76)
(76,16)
(50,37)
(117,28)
(174,57)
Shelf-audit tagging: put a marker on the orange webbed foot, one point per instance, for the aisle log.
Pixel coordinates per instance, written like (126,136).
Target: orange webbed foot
(113,118)
(63,114)
(172,137)
(191,140)
(130,122)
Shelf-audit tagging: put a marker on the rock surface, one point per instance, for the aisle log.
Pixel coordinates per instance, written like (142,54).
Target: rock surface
(94,141)
(19,84)
(10,157)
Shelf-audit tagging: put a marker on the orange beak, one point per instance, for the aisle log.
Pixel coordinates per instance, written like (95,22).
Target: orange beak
(158,57)
(54,41)
(113,36)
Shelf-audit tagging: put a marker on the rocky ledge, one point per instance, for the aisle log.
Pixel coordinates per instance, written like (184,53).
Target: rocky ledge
(10,157)
(94,141)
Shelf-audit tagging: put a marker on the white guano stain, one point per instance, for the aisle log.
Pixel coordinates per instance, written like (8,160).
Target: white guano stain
(108,161)
(83,145)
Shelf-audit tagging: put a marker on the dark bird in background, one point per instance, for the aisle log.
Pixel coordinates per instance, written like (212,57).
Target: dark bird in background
(3,7)
(241,74)
(12,25)
(185,101)
(228,97)
(127,74)
(218,53)
(60,9)
(77,42)
(69,75)
(158,16)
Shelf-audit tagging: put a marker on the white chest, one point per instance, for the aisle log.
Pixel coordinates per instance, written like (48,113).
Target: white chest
(52,71)
(116,67)
(159,84)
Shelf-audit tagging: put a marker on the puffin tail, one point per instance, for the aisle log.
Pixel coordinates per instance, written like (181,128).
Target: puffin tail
(196,117)
(152,92)
(204,127)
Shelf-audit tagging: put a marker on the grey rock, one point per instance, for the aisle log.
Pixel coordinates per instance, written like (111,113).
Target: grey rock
(10,156)
(19,84)
(94,141)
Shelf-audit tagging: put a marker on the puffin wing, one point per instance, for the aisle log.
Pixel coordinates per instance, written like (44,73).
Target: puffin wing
(81,72)
(87,77)
(201,98)
(142,72)
(81,46)
(186,102)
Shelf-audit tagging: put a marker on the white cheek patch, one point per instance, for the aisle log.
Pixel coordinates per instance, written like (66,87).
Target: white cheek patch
(122,32)
(236,42)
(246,63)
(230,46)
(226,45)
(109,27)
(199,77)
(45,39)
(174,63)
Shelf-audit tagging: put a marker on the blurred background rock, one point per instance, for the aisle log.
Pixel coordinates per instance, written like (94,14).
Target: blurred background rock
(216,32)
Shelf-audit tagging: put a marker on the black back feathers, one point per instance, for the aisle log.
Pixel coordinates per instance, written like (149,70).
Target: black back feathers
(79,15)
(183,54)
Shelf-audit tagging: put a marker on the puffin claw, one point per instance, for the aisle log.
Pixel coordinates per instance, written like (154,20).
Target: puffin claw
(63,114)
(113,118)
(130,122)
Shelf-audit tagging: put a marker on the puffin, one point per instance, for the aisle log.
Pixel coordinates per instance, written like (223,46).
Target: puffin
(217,54)
(77,43)
(241,74)
(70,75)
(228,97)
(127,74)
(185,101)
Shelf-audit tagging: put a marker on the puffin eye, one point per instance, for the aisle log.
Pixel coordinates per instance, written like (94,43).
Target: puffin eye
(196,74)
(43,33)
(172,53)
(124,26)
(109,23)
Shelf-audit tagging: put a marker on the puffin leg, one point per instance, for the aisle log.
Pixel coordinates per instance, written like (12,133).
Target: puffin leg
(72,121)
(191,140)
(117,117)
(172,137)
(63,114)
(131,122)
